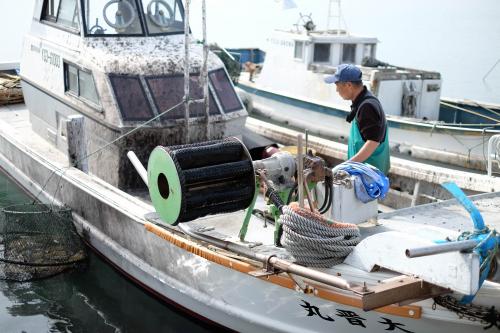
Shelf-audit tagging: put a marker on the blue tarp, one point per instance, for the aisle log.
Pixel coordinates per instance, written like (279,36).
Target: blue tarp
(369,184)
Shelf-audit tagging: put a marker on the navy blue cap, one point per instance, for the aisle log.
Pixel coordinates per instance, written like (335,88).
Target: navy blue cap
(345,73)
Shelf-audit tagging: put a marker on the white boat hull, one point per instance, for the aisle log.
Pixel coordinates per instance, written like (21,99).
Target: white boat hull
(452,145)
(113,223)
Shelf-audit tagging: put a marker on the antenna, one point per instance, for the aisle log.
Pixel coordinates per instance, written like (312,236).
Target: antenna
(334,14)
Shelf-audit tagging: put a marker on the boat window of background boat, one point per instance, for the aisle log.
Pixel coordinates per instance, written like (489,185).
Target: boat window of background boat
(131,97)
(225,91)
(80,83)
(163,16)
(348,53)
(369,51)
(299,50)
(168,91)
(112,17)
(321,52)
(62,12)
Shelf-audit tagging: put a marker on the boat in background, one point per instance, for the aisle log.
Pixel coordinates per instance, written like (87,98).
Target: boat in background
(291,90)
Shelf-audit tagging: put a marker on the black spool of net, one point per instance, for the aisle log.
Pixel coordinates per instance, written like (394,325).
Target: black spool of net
(190,181)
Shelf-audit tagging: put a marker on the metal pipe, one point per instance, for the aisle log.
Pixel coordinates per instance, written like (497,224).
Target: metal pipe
(138,166)
(307,141)
(275,262)
(300,171)
(441,248)
(204,72)
(187,41)
(492,141)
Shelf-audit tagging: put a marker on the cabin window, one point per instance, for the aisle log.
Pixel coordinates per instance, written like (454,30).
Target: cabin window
(105,17)
(131,98)
(369,51)
(321,52)
(62,12)
(163,16)
(299,50)
(225,91)
(348,53)
(168,91)
(51,8)
(72,79)
(80,83)
(87,86)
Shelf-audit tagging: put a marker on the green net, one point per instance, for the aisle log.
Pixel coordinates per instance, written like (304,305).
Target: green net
(37,241)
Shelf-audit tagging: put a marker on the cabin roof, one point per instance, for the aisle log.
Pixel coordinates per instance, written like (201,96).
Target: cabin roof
(333,36)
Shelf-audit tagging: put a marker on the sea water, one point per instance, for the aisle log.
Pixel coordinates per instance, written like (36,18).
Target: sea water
(95,298)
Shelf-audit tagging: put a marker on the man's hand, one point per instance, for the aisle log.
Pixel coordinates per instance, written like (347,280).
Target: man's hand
(365,151)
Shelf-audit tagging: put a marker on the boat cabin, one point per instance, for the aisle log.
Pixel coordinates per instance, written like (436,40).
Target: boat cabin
(309,55)
(117,64)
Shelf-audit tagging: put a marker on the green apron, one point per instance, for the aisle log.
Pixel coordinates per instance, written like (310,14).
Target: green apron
(379,158)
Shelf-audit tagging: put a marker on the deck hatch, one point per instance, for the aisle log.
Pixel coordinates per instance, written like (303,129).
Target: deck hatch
(225,91)
(131,98)
(168,91)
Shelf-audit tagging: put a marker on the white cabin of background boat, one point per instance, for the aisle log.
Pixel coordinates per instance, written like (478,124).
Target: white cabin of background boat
(310,55)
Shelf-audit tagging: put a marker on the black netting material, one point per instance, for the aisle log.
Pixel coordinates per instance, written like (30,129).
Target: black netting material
(216,177)
(37,241)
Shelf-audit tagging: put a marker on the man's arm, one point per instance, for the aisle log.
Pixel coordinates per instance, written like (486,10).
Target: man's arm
(365,151)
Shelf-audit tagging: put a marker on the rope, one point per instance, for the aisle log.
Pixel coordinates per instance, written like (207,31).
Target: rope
(315,241)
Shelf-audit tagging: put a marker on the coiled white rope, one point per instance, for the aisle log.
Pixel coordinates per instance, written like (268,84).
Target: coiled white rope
(315,241)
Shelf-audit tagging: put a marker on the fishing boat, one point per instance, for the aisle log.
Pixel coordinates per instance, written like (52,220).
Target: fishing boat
(421,123)
(199,233)
(103,67)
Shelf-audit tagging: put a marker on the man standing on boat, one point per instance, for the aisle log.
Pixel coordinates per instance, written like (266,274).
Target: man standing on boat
(368,138)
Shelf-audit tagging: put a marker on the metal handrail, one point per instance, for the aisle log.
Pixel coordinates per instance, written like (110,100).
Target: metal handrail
(491,143)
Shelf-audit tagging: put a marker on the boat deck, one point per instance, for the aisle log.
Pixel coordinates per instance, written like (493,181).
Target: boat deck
(431,222)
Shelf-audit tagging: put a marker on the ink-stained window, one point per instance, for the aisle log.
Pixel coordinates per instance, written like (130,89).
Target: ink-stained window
(166,16)
(167,91)
(80,83)
(321,52)
(225,91)
(62,12)
(131,98)
(349,53)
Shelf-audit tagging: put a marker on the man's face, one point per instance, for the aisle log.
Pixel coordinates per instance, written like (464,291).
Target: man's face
(345,90)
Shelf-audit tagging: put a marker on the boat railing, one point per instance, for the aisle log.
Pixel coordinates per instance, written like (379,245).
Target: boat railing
(493,151)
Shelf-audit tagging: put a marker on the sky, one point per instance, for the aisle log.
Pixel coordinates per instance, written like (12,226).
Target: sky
(459,38)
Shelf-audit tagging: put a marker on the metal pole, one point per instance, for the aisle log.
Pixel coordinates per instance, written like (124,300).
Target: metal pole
(138,166)
(274,261)
(491,69)
(186,68)
(204,75)
(300,171)
(340,17)
(441,248)
(307,141)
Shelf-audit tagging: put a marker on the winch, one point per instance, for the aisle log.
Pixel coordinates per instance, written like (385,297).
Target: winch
(195,180)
